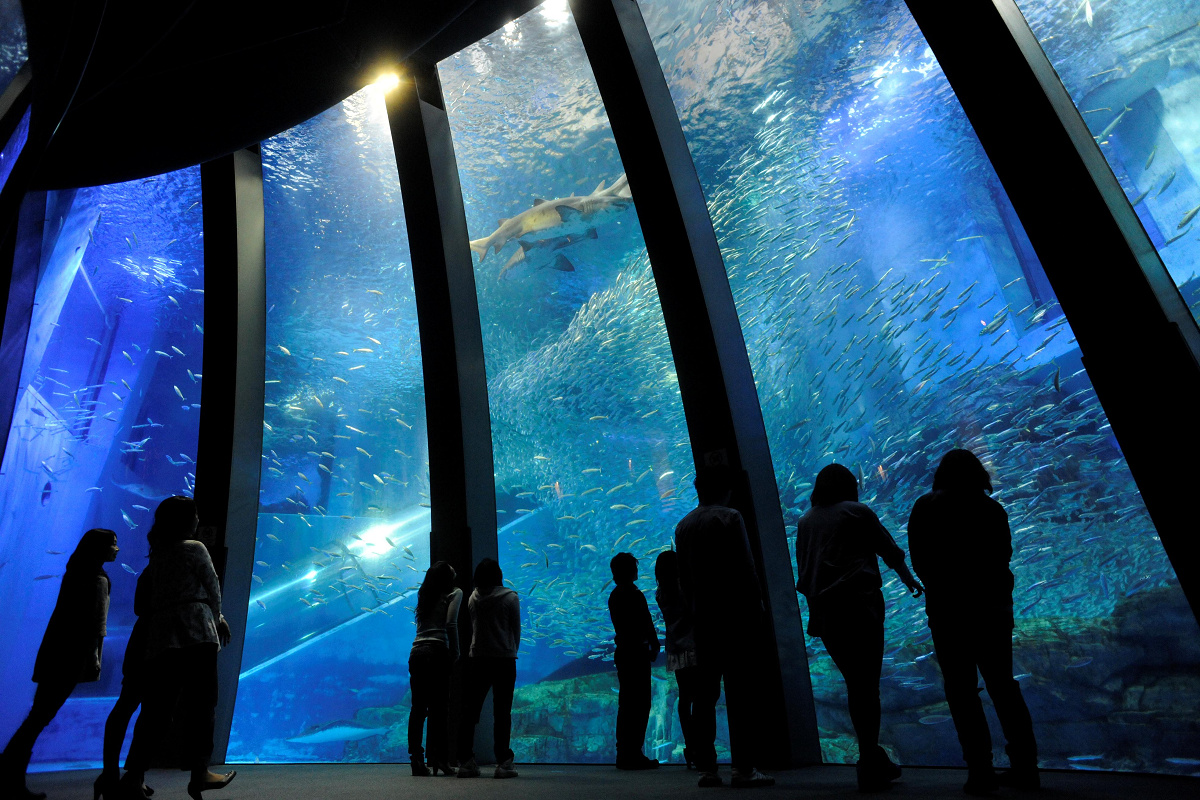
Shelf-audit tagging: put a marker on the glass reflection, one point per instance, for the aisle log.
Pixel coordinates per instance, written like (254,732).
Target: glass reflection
(893,309)
(14,50)
(105,423)
(591,448)
(343,524)
(1133,70)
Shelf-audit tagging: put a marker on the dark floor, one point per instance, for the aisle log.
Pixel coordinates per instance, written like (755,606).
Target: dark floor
(335,781)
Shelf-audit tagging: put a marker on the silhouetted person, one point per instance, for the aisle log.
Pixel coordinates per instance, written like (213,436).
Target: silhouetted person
(495,637)
(180,597)
(679,642)
(434,651)
(70,653)
(961,547)
(720,587)
(839,542)
(637,648)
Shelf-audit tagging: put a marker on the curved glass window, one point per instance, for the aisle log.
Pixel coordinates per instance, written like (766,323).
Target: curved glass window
(12,148)
(893,309)
(343,523)
(1132,70)
(105,423)
(14,50)
(591,448)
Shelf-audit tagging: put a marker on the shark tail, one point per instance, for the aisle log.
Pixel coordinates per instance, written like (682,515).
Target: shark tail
(480,247)
(620,187)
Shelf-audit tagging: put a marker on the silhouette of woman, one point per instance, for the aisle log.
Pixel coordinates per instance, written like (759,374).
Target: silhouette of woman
(180,597)
(70,653)
(961,546)
(680,643)
(435,650)
(838,543)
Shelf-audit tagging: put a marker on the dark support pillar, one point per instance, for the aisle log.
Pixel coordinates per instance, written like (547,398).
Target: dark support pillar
(229,455)
(21,249)
(462,486)
(719,397)
(461,479)
(1140,343)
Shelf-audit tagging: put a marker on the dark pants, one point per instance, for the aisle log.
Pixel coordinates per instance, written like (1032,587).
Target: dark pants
(482,673)
(633,704)
(182,680)
(963,648)
(852,633)
(47,700)
(118,723)
(686,680)
(734,663)
(429,677)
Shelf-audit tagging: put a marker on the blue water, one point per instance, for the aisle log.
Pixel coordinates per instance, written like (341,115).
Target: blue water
(100,434)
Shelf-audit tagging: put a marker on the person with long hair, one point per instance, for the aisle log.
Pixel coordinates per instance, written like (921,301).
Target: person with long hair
(679,642)
(839,542)
(492,664)
(180,596)
(961,547)
(434,652)
(70,654)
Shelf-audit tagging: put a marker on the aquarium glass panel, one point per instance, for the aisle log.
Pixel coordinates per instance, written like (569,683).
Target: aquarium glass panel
(14,50)
(591,448)
(104,426)
(343,523)
(893,309)
(12,149)
(1133,70)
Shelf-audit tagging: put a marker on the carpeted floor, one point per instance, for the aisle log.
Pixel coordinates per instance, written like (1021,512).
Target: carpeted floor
(338,782)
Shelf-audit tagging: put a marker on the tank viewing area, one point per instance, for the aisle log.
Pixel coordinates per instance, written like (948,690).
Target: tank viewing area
(387,284)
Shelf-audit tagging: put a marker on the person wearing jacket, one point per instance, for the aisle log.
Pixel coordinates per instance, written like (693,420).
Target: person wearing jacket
(70,654)
(492,664)
(434,652)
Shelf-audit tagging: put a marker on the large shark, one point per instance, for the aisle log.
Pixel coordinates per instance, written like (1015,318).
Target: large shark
(564,220)
(340,731)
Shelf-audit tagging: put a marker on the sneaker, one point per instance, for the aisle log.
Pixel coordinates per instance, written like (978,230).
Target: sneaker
(469,769)
(709,780)
(505,770)
(1027,779)
(751,779)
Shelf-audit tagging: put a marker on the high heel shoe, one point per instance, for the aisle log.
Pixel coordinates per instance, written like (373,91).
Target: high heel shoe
(419,770)
(446,769)
(195,788)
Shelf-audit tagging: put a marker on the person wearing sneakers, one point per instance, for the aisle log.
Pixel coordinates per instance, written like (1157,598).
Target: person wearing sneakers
(719,585)
(637,648)
(492,664)
(839,542)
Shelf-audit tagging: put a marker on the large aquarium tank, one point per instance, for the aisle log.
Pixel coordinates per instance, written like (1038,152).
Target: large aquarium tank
(343,525)
(105,422)
(893,309)
(592,455)
(1133,71)
(14,50)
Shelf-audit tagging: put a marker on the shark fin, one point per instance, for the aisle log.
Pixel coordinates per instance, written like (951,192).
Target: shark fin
(562,264)
(480,246)
(537,201)
(568,214)
(599,187)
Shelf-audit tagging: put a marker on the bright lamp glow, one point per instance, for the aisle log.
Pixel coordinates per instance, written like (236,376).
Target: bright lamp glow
(387,82)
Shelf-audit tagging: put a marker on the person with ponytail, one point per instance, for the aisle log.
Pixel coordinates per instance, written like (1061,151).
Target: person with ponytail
(180,597)
(434,651)
(70,654)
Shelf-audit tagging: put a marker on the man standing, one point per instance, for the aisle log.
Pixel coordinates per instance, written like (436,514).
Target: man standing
(719,584)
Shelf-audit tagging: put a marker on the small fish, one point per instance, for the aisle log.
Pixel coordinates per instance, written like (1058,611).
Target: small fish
(934,719)
(364,452)
(128,568)
(1188,217)
(284,350)
(128,521)
(181,397)
(44,577)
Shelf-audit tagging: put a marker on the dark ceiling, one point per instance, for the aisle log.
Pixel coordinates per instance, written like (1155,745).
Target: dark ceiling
(122,90)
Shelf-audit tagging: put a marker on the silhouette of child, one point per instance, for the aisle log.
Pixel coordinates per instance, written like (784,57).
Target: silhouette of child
(637,648)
